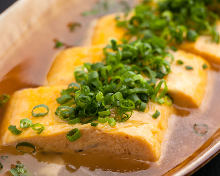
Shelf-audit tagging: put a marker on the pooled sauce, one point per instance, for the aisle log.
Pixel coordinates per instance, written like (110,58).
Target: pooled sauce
(27,65)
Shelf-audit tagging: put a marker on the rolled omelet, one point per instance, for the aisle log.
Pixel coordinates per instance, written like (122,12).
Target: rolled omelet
(140,137)
(187,87)
(187,81)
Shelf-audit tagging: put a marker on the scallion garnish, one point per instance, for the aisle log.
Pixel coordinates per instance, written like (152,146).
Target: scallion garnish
(14,130)
(189,67)
(94,124)
(22,147)
(179,62)
(111,122)
(40,110)
(4,99)
(25,123)
(19,170)
(74,121)
(200,129)
(4,157)
(174,21)
(102,120)
(204,66)
(39,128)
(73,25)
(73,135)
(156,114)
(58,44)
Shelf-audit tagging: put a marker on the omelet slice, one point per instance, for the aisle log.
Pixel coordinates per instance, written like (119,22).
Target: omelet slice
(62,70)
(187,87)
(140,137)
(205,47)
(188,79)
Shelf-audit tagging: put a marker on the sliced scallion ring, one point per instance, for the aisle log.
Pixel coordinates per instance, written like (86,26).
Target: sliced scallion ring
(25,123)
(20,147)
(14,130)
(39,128)
(1,166)
(40,114)
(73,135)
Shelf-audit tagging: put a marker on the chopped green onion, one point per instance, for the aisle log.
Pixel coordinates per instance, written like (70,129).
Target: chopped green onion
(192,35)
(73,135)
(179,62)
(189,67)
(173,48)
(64,99)
(39,128)
(102,120)
(40,114)
(204,66)
(200,129)
(72,26)
(99,96)
(156,114)
(65,112)
(4,99)
(111,122)
(14,130)
(58,44)
(174,21)
(23,145)
(19,170)
(94,124)
(74,121)
(4,157)
(104,113)
(25,123)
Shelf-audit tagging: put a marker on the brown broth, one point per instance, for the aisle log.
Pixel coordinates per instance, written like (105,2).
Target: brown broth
(28,62)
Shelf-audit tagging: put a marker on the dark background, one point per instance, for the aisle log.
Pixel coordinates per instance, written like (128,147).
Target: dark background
(211,169)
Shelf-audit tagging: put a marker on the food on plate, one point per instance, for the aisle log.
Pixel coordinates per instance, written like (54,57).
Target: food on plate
(116,95)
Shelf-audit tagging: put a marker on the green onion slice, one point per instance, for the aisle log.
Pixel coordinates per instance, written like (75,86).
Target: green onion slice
(4,99)
(74,121)
(179,62)
(14,130)
(4,157)
(189,67)
(73,135)
(25,123)
(39,128)
(156,114)
(204,66)
(1,166)
(102,120)
(40,114)
(94,124)
(111,122)
(200,129)
(22,147)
